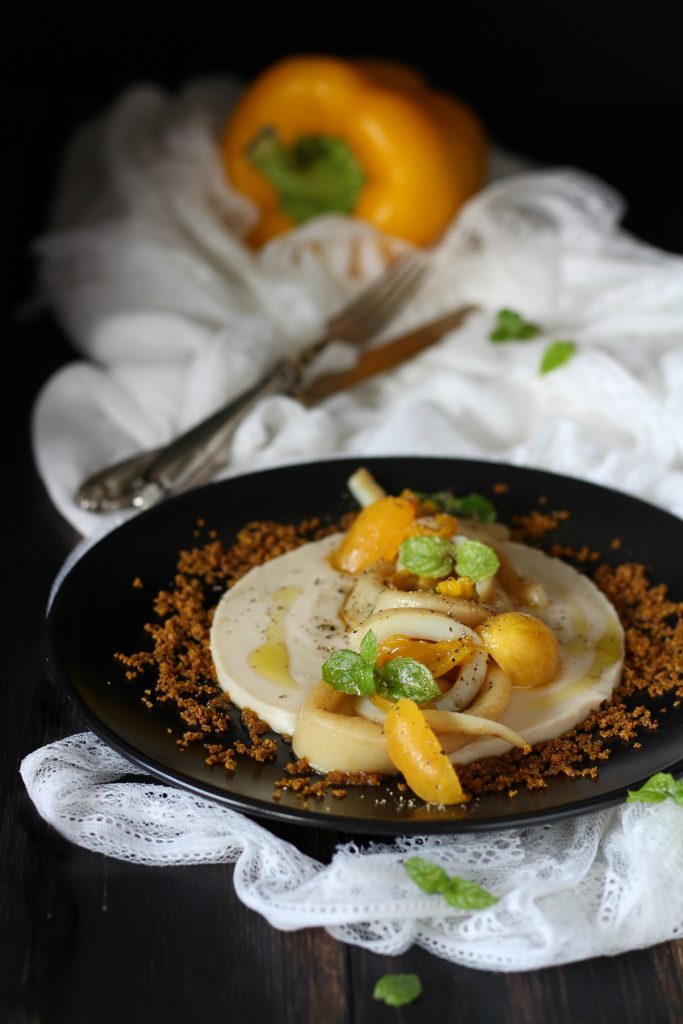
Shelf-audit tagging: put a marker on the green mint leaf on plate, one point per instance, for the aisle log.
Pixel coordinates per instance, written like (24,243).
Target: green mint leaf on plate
(368,648)
(458,892)
(405,677)
(660,787)
(476,560)
(476,506)
(398,989)
(471,506)
(426,556)
(557,354)
(429,876)
(511,326)
(445,501)
(348,672)
(467,895)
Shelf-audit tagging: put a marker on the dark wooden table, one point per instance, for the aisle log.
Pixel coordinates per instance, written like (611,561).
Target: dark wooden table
(90,940)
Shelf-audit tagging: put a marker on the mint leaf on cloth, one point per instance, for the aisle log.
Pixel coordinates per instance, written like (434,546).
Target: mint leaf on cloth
(511,326)
(658,788)
(458,892)
(557,354)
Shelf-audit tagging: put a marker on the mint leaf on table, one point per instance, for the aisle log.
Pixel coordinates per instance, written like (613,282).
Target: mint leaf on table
(398,989)
(511,326)
(458,892)
(557,354)
(348,672)
(405,677)
(658,788)
(426,556)
(476,560)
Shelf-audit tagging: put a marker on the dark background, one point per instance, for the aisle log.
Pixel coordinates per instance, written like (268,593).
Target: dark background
(598,85)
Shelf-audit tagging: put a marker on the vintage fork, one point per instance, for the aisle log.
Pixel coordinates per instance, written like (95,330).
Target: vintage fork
(191,459)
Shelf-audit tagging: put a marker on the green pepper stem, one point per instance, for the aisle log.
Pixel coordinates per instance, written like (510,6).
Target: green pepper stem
(317,174)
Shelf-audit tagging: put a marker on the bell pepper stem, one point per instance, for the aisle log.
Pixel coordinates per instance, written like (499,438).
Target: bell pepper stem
(317,174)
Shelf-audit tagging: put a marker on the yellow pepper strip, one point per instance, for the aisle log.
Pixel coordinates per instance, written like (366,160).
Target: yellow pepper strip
(439,525)
(417,754)
(462,586)
(317,135)
(438,656)
(375,535)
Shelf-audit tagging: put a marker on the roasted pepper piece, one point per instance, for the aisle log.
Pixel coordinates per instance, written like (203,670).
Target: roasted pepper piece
(417,754)
(375,535)
(316,134)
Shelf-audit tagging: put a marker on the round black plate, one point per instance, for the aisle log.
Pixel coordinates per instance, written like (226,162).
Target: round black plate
(97,612)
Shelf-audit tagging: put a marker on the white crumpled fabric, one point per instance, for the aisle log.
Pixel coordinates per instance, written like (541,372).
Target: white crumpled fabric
(590,886)
(173,315)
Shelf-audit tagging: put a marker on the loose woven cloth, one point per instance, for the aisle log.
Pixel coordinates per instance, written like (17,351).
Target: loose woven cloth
(172,315)
(591,886)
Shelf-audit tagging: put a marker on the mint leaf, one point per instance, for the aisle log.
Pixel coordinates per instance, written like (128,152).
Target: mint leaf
(476,506)
(557,354)
(426,556)
(471,506)
(458,892)
(445,501)
(510,326)
(476,560)
(467,895)
(348,672)
(405,677)
(660,787)
(398,989)
(429,876)
(368,648)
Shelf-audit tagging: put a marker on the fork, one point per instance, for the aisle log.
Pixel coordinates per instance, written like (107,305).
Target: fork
(193,457)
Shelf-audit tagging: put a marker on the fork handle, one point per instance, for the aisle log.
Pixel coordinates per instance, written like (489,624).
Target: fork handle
(192,457)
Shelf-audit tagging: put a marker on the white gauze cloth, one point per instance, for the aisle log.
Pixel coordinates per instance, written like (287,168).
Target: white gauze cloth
(590,886)
(173,314)
(145,268)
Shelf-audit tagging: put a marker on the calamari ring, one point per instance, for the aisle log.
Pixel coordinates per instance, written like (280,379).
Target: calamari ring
(413,622)
(470,613)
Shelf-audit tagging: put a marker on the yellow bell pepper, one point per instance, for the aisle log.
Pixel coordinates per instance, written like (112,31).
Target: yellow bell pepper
(416,752)
(317,135)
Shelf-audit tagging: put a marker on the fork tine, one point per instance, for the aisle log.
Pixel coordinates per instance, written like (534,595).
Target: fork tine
(380,301)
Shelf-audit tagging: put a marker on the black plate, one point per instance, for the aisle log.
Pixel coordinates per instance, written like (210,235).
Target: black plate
(97,612)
